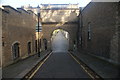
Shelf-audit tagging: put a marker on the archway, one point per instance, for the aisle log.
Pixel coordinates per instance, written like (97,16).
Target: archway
(60,40)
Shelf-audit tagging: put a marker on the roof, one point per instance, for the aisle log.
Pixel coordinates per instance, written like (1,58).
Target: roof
(7,6)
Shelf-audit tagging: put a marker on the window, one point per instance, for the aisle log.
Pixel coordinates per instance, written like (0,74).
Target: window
(89,30)
(15,50)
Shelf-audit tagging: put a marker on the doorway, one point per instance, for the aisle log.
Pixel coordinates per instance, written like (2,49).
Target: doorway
(29,48)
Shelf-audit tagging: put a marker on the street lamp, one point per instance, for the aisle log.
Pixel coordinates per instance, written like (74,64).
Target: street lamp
(38,12)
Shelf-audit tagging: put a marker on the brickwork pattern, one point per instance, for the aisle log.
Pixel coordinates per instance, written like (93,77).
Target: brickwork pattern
(104,38)
(18,25)
(0,36)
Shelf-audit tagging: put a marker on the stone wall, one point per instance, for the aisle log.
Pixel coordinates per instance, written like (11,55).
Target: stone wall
(65,19)
(0,39)
(18,25)
(60,15)
(0,43)
(54,18)
(71,28)
(102,17)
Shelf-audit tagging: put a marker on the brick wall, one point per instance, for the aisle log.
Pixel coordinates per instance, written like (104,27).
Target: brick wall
(102,17)
(119,31)
(18,26)
(0,37)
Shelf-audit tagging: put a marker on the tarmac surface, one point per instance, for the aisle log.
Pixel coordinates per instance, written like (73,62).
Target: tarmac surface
(60,65)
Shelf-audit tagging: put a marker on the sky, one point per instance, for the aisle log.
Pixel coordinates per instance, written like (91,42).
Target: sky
(34,3)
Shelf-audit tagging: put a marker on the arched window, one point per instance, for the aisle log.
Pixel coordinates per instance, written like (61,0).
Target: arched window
(16,50)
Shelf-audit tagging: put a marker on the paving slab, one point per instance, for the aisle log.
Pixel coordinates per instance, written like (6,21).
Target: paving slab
(22,67)
(101,67)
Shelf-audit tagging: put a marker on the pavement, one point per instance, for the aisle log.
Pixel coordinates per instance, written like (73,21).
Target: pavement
(60,65)
(101,67)
(22,67)
(0,73)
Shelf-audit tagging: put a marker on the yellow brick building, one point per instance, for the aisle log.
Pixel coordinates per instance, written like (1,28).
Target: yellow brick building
(18,34)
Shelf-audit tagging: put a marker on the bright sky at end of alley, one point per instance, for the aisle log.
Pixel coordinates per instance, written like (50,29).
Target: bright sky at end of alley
(19,3)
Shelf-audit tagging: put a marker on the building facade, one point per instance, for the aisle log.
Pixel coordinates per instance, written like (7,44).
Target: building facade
(0,43)
(99,32)
(18,34)
(55,16)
